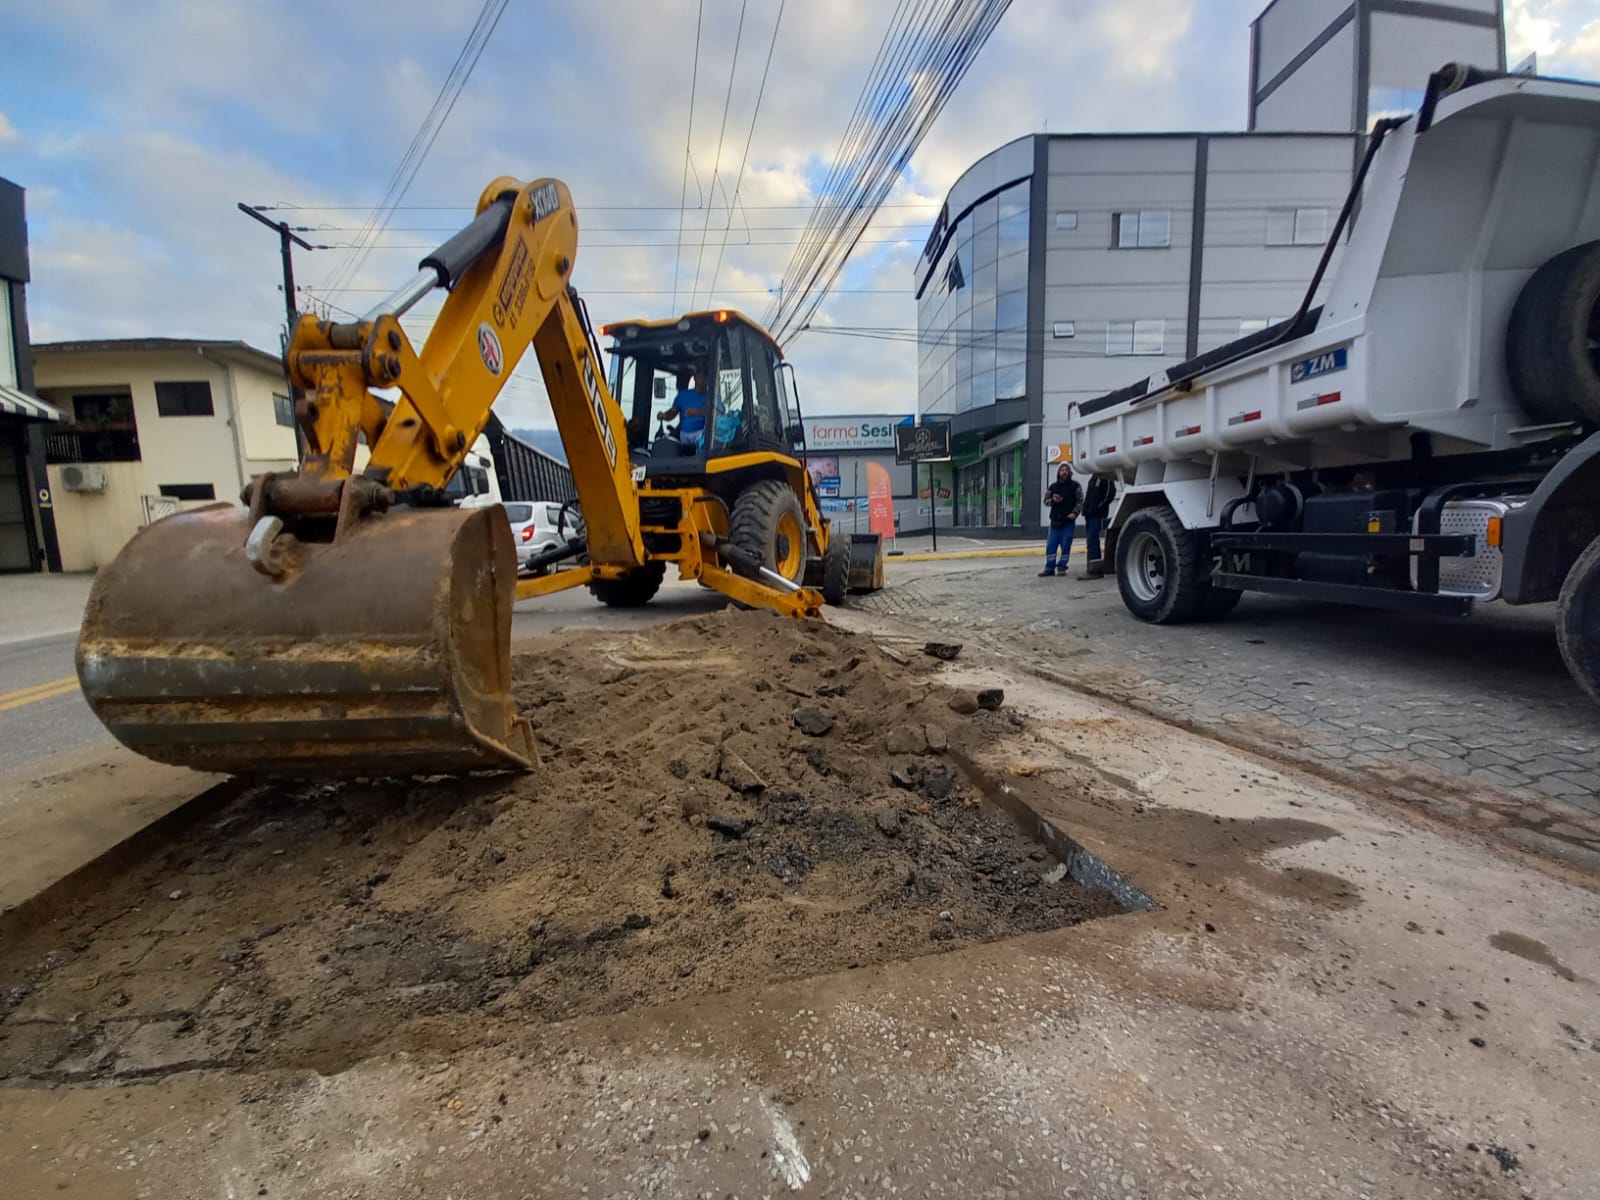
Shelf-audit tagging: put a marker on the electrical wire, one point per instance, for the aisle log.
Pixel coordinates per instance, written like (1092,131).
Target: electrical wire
(745,158)
(422,143)
(688,138)
(716,165)
(926,52)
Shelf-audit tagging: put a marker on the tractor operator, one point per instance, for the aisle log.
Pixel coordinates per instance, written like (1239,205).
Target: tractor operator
(689,405)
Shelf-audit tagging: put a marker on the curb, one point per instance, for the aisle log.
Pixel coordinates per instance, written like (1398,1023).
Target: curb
(1032,552)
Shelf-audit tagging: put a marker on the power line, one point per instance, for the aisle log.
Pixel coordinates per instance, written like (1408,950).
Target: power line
(716,165)
(422,143)
(283,206)
(739,180)
(688,138)
(916,71)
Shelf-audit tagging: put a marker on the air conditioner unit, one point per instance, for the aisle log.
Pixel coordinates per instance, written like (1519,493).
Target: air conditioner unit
(83,477)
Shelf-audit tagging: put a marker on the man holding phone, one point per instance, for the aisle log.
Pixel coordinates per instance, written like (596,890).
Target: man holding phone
(1064,498)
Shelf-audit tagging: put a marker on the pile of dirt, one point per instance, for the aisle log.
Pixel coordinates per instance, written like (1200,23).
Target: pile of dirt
(722,802)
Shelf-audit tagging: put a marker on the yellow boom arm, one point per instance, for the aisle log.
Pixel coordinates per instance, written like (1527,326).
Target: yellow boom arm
(509,278)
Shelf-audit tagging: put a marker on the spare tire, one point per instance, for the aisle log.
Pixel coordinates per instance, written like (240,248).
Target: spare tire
(1553,339)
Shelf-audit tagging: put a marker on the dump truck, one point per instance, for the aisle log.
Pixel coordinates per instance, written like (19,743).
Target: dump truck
(1423,440)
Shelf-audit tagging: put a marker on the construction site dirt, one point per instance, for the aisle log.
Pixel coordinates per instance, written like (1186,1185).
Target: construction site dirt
(782,911)
(722,802)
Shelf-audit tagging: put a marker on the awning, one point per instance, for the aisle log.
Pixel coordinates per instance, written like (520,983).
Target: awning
(30,408)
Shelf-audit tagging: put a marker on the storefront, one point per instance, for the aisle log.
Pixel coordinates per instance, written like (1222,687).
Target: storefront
(27,519)
(838,450)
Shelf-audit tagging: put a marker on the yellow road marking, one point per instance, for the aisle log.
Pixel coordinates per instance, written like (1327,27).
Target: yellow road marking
(41,691)
(37,687)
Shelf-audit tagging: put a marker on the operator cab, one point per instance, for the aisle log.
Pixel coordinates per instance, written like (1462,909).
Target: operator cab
(736,384)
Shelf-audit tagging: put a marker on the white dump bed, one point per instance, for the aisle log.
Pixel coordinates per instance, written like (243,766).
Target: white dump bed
(1451,223)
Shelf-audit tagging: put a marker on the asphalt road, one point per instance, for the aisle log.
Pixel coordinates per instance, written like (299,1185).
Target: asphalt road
(42,713)
(43,716)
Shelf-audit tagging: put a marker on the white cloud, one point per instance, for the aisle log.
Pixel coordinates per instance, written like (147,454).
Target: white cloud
(1565,34)
(8,131)
(196,104)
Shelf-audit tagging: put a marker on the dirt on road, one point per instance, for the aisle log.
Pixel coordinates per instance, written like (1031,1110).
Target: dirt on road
(722,801)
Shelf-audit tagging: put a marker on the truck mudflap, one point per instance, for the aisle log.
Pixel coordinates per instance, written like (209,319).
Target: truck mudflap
(386,652)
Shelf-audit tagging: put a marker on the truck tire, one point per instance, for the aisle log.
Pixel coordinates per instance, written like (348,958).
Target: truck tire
(1553,338)
(633,590)
(1578,620)
(836,568)
(1161,572)
(768,523)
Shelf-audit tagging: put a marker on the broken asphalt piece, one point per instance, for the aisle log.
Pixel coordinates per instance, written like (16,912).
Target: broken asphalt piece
(965,703)
(636,921)
(740,775)
(938,784)
(887,821)
(812,723)
(733,827)
(991,698)
(906,777)
(906,739)
(944,651)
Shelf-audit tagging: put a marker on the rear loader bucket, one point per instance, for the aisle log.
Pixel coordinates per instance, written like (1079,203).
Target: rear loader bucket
(866,562)
(385,653)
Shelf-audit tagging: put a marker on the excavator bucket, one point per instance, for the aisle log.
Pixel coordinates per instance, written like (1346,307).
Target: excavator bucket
(386,652)
(866,562)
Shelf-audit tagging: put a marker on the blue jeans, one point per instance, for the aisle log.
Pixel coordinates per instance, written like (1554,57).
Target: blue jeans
(1058,539)
(1091,534)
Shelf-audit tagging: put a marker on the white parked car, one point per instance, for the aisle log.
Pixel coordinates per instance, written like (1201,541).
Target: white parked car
(535,526)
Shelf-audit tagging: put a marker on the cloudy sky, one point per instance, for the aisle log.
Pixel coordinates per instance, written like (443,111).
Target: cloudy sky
(137,127)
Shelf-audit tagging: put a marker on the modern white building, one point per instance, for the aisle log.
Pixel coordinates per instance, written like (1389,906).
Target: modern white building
(1064,266)
(1340,65)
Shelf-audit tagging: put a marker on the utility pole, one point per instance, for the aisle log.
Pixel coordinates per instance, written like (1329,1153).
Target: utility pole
(287,240)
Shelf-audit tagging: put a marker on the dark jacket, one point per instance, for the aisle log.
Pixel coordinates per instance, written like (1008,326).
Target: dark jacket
(1065,498)
(1098,496)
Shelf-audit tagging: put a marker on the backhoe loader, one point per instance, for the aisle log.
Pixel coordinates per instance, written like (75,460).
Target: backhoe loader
(344,624)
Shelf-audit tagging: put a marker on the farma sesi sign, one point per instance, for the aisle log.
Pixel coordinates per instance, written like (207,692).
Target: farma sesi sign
(851,433)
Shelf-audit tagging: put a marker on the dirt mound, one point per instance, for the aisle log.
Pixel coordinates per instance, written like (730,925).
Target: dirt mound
(722,802)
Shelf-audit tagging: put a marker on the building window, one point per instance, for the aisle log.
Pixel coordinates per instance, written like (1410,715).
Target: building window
(1064,329)
(1297,226)
(8,344)
(1135,337)
(1141,230)
(189,491)
(102,430)
(1066,220)
(184,399)
(283,410)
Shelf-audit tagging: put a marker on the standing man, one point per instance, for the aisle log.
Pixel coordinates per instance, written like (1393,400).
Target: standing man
(1097,498)
(1063,498)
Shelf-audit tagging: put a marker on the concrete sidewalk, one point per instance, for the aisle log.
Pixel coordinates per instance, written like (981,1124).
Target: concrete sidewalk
(40,605)
(920,547)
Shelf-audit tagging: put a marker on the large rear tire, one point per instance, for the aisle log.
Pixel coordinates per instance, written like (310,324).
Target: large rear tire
(767,522)
(1553,338)
(1578,620)
(1160,570)
(633,590)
